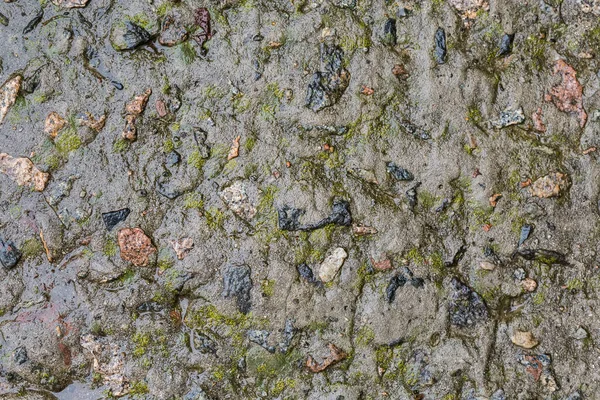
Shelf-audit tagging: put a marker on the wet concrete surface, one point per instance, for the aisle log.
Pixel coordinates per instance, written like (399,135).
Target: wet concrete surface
(310,199)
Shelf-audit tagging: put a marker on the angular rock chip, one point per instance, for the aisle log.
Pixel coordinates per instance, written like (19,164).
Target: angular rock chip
(383,264)
(133,110)
(237,282)
(23,172)
(506,44)
(399,173)
(335,355)
(509,117)
(235,149)
(524,339)
(361,230)
(567,96)
(70,3)
(340,215)
(135,246)
(237,200)
(440,46)
(538,123)
(547,257)
(112,218)
(88,120)
(466,307)
(172,32)
(529,285)
(328,86)
(128,36)
(53,124)
(202,20)
(332,264)
(539,366)
(8,95)
(549,186)
(307,274)
(182,247)
(137,106)
(9,254)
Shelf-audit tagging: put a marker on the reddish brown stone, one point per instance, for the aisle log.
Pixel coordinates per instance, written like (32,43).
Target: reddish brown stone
(335,355)
(568,95)
(538,124)
(382,265)
(135,246)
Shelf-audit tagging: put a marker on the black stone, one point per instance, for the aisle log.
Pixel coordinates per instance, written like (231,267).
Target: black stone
(134,35)
(399,173)
(289,217)
(238,283)
(113,218)
(412,129)
(34,22)
(445,203)
(396,282)
(506,44)
(20,355)
(411,195)
(327,86)
(466,307)
(389,32)
(9,254)
(548,257)
(306,273)
(440,46)
(150,306)
(525,232)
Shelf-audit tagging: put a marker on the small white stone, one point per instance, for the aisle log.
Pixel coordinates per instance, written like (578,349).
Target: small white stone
(332,264)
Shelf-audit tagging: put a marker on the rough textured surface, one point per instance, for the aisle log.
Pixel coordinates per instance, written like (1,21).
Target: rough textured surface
(269,133)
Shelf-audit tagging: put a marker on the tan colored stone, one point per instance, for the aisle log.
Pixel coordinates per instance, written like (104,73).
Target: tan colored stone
(529,285)
(332,264)
(23,172)
(53,124)
(8,95)
(524,339)
(549,186)
(135,246)
(486,265)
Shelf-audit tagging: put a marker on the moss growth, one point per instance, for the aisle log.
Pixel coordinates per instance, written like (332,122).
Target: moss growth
(215,218)
(31,248)
(193,200)
(267,287)
(195,160)
(120,145)
(364,336)
(68,141)
(138,388)
(142,342)
(110,248)
(535,48)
